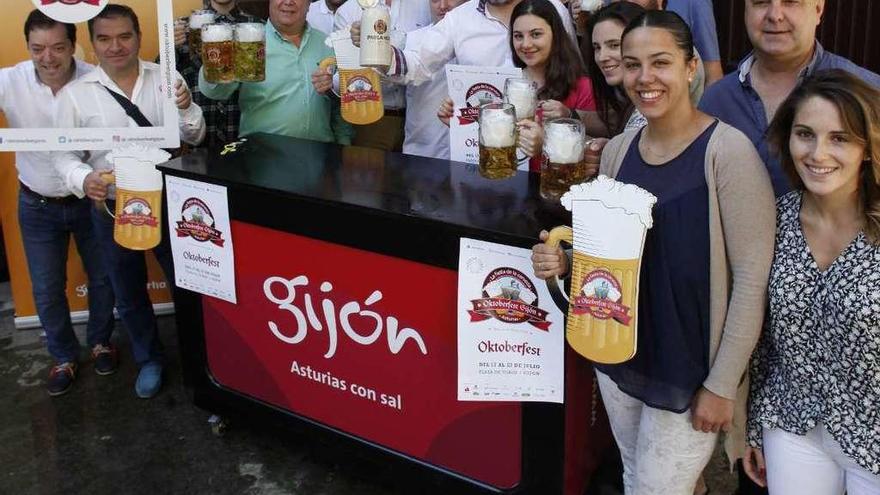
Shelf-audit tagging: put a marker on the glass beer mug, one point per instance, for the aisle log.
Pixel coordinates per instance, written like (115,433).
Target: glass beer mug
(563,162)
(217,53)
(250,52)
(497,140)
(198,19)
(521,93)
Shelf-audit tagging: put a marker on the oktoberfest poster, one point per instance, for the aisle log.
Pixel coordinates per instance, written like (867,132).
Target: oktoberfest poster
(470,87)
(201,237)
(510,332)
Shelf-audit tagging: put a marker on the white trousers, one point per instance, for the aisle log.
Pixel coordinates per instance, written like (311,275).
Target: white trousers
(813,464)
(662,453)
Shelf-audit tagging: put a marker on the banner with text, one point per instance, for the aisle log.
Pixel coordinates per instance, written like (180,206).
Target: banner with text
(511,335)
(201,237)
(470,87)
(361,342)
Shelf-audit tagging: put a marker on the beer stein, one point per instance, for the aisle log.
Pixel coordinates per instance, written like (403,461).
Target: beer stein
(198,19)
(521,93)
(218,53)
(138,213)
(497,140)
(250,52)
(360,93)
(375,35)
(609,222)
(563,157)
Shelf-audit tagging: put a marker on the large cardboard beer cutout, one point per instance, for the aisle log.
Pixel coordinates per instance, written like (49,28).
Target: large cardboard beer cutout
(360,92)
(609,220)
(138,216)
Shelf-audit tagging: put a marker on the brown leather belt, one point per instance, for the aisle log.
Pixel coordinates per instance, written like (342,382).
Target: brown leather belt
(64,200)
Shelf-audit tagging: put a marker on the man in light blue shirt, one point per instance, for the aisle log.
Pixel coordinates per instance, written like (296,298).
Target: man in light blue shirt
(700,17)
(783,35)
(286,102)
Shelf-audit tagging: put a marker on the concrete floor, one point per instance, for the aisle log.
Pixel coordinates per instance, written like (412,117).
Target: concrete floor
(101,439)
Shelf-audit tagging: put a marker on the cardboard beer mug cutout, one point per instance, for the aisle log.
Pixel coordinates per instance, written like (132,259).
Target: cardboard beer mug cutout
(360,91)
(138,217)
(609,220)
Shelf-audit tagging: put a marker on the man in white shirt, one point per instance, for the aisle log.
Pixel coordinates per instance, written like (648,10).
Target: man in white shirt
(322,13)
(424,134)
(406,16)
(87,102)
(48,212)
(476,33)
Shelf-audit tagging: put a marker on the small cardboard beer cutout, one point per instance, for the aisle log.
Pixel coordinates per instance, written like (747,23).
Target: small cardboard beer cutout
(360,92)
(609,220)
(138,216)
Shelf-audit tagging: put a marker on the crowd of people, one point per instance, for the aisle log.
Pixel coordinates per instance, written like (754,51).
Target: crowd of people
(762,261)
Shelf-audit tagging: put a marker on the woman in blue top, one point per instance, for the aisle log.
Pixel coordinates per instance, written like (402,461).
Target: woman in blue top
(704,266)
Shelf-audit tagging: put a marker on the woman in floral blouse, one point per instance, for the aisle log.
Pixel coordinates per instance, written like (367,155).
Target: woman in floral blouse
(814,412)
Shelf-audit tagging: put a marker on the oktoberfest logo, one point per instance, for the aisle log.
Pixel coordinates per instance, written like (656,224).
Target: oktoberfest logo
(601,297)
(198,222)
(72,11)
(511,297)
(359,89)
(71,2)
(380,27)
(476,96)
(137,212)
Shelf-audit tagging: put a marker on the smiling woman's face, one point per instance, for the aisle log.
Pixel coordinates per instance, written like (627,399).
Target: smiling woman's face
(827,158)
(532,39)
(606,50)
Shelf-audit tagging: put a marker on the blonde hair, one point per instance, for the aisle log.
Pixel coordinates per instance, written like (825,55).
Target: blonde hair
(857,102)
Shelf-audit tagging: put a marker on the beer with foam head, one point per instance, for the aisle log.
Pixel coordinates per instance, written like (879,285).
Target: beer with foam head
(250,52)
(218,53)
(196,20)
(497,140)
(521,93)
(563,162)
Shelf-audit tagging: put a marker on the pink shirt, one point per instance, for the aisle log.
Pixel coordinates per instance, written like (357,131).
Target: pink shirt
(580,98)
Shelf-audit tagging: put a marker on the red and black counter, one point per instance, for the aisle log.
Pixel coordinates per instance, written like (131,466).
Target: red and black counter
(345,326)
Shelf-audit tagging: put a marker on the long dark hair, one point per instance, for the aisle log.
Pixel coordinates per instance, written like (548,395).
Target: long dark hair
(563,63)
(611,105)
(856,101)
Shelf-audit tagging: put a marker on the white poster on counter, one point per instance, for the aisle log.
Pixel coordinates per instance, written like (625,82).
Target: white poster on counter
(511,335)
(201,237)
(469,87)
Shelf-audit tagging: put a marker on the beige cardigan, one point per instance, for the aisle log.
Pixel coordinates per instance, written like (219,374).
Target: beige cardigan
(742,228)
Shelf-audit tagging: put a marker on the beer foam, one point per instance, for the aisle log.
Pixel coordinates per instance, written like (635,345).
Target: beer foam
(200,18)
(250,32)
(613,194)
(216,33)
(563,144)
(497,129)
(523,99)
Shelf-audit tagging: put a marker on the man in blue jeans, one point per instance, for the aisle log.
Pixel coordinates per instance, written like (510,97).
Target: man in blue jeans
(48,211)
(88,102)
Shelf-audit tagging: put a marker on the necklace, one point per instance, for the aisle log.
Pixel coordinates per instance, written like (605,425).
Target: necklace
(645,146)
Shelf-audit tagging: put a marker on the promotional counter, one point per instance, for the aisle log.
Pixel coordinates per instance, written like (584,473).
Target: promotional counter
(346,264)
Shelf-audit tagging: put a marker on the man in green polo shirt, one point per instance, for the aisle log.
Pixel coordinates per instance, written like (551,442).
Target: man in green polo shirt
(286,102)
